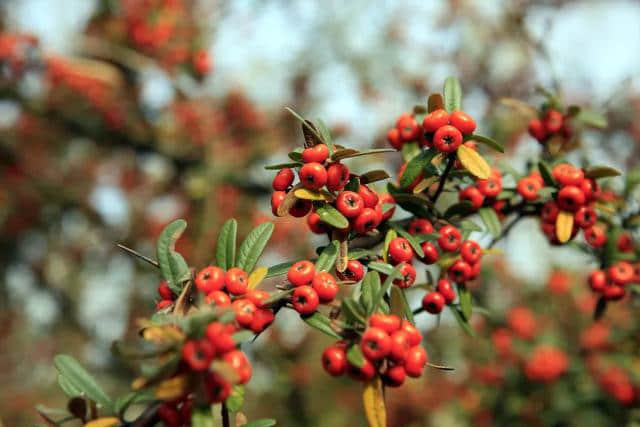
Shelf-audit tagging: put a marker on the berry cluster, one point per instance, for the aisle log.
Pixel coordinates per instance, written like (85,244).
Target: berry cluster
(440,129)
(610,283)
(16,51)
(391,348)
(546,364)
(552,123)
(311,287)
(362,207)
(484,192)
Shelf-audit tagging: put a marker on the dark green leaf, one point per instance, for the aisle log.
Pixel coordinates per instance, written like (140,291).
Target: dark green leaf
(491,143)
(467,224)
(296,156)
(355,356)
(307,127)
(348,153)
(283,166)
(452,94)
(370,288)
(462,208)
(352,310)
(399,301)
(262,422)
(427,237)
(435,102)
(253,245)
(382,267)
(465,301)
(353,184)
(236,399)
(226,248)
(601,306)
(601,172)
(377,300)
(373,176)
(322,323)
(462,321)
(545,172)
(410,150)
(330,215)
(122,403)
(491,221)
(359,253)
(416,166)
(172,265)
(325,133)
(242,336)
(328,257)
(78,378)
(276,296)
(280,269)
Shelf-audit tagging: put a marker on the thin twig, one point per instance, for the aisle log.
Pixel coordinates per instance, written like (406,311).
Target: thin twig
(443,179)
(139,255)
(225,415)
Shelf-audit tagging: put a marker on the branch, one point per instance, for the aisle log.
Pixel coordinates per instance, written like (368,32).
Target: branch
(443,179)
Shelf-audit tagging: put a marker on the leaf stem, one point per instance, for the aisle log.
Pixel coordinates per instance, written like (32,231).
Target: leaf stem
(450,162)
(139,255)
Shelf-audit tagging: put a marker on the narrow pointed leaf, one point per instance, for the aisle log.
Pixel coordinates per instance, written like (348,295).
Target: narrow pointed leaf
(257,276)
(370,288)
(328,257)
(564,226)
(416,166)
(491,143)
(330,215)
(373,176)
(601,172)
(283,166)
(545,172)
(452,94)
(474,162)
(253,246)
(491,221)
(322,323)
(355,356)
(373,401)
(226,248)
(172,265)
(78,378)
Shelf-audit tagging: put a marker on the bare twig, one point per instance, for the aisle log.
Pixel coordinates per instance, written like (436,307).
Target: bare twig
(139,255)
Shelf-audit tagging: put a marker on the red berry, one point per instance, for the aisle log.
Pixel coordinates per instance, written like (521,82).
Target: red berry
(283,179)
(256,296)
(537,130)
(220,335)
(625,243)
(433,302)
(318,154)
(420,226)
(366,221)
(325,285)
(528,188)
(394,376)
(218,298)
(407,276)
(463,122)
(476,269)
(216,387)
(447,139)
(598,281)
(408,127)
(244,310)
(364,373)
(300,208)
(621,273)
(414,334)
(566,174)
(570,198)
(400,251)
(316,225)
(313,176)
(614,292)
(399,345)
(301,273)
(394,138)
(435,120)
(240,364)
(305,299)
(236,280)
(163,303)
(553,121)
(262,318)
(198,354)
(387,322)
(550,212)
(169,415)
(370,197)
(276,199)
(210,279)
(334,360)
(586,217)
(449,239)
(375,344)
(460,271)
(165,291)
(473,195)
(471,251)
(415,361)
(431,254)
(489,187)
(350,204)
(337,176)
(445,288)
(595,236)
(354,271)
(590,188)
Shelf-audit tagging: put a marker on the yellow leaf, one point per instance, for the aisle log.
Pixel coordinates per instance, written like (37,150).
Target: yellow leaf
(172,388)
(474,162)
(493,251)
(424,184)
(162,334)
(288,202)
(564,226)
(257,276)
(303,193)
(343,256)
(103,422)
(374,403)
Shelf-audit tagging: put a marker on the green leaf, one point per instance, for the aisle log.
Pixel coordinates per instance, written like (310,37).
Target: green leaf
(462,208)
(452,94)
(469,225)
(276,296)
(410,150)
(592,118)
(279,269)
(491,143)
(122,403)
(382,267)
(172,265)
(352,310)
(545,172)
(226,248)
(296,156)
(307,127)
(359,253)
(68,387)
(328,257)
(435,102)
(373,176)
(325,134)
(395,273)
(416,166)
(400,305)
(369,289)
(491,221)
(391,234)
(236,399)
(243,336)
(415,244)
(283,166)
(601,172)
(353,184)
(330,215)
(322,323)
(347,153)
(202,418)
(465,301)
(461,320)
(262,422)
(355,356)
(76,377)
(253,245)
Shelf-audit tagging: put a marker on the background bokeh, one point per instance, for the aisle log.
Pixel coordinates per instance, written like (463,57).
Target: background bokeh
(118,116)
